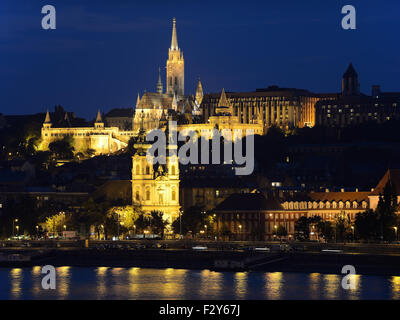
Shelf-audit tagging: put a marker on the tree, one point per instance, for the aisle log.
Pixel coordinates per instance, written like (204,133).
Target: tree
(193,220)
(62,149)
(302,229)
(55,223)
(386,211)
(366,225)
(142,223)
(92,214)
(157,223)
(280,231)
(342,227)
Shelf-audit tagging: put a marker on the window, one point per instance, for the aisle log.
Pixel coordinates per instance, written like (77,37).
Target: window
(173,195)
(173,170)
(147,169)
(147,194)
(137,195)
(137,169)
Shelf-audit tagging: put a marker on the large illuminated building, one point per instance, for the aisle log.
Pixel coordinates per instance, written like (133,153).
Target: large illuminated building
(286,108)
(151,112)
(155,187)
(256,216)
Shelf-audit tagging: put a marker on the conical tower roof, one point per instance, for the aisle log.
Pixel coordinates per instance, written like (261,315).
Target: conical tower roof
(137,100)
(159,83)
(47,119)
(350,71)
(98,117)
(223,100)
(174,40)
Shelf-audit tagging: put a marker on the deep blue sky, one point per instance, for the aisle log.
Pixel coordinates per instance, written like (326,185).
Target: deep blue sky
(104,52)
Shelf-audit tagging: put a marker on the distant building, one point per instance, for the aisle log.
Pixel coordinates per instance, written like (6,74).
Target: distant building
(254,216)
(286,108)
(353,107)
(122,118)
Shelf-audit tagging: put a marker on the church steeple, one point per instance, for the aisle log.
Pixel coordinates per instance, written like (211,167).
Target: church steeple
(174,40)
(159,83)
(199,93)
(137,100)
(175,67)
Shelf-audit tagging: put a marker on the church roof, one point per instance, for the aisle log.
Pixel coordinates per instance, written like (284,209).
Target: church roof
(153,100)
(338,196)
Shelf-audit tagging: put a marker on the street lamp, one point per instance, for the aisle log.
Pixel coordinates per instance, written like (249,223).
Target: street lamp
(14,220)
(37,232)
(395,232)
(17,227)
(180,224)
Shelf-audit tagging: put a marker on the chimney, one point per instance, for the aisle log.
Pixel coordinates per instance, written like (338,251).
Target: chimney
(356,189)
(372,189)
(326,190)
(342,190)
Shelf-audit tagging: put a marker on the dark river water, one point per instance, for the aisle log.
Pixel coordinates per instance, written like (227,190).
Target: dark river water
(141,283)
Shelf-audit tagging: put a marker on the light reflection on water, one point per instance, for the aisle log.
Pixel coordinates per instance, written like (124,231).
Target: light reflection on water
(142,283)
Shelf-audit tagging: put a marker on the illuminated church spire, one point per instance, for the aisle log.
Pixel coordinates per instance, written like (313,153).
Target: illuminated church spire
(137,100)
(199,93)
(175,67)
(174,40)
(159,83)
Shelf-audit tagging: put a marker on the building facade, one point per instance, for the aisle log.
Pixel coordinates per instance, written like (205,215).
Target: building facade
(155,187)
(282,107)
(352,107)
(255,216)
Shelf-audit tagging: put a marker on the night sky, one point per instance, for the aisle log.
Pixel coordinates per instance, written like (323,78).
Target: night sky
(104,52)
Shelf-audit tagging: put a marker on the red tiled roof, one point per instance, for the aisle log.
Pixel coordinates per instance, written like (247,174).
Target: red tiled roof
(339,196)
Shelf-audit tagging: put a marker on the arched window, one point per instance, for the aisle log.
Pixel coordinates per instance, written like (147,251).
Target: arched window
(173,170)
(341,204)
(170,81)
(137,196)
(147,194)
(147,169)
(355,204)
(176,81)
(334,205)
(328,205)
(137,169)
(364,204)
(348,204)
(173,195)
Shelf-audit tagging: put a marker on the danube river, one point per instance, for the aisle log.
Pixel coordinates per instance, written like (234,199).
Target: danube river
(141,283)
